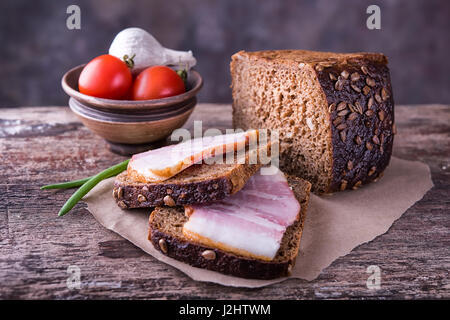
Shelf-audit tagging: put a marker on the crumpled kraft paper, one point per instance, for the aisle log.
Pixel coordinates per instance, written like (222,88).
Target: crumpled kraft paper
(335,224)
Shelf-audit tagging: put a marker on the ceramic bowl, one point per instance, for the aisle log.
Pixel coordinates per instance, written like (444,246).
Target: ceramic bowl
(131,126)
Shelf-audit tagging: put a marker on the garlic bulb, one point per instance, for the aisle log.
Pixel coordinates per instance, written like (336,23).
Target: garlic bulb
(147,50)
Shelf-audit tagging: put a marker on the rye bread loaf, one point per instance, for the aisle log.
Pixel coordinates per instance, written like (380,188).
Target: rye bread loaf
(166,235)
(334,112)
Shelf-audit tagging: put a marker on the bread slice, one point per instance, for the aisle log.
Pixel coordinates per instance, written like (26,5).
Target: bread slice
(334,112)
(198,183)
(166,235)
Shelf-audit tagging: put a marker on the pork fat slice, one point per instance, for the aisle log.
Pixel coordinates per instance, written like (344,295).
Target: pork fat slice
(163,163)
(251,222)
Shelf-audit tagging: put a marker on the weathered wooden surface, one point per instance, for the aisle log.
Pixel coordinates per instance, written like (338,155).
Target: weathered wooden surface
(47,144)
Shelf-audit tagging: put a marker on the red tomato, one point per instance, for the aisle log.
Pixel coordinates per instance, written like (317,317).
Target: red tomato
(157,82)
(105,77)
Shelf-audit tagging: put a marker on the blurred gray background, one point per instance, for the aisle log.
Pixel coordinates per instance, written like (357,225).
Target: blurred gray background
(37,48)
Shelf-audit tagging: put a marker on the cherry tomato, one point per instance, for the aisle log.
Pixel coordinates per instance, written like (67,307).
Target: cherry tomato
(157,82)
(105,77)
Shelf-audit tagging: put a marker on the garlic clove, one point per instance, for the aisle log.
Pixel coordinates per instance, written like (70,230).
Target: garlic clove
(184,59)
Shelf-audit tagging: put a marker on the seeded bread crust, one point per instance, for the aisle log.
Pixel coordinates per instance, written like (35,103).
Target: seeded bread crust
(197,184)
(357,96)
(166,236)
(361,110)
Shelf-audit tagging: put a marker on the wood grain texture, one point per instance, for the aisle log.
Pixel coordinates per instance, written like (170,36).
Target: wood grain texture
(47,144)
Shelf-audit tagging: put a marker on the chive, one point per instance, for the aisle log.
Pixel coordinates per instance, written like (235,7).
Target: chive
(70,184)
(66,185)
(91,183)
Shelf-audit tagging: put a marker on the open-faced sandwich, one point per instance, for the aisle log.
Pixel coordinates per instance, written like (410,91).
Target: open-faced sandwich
(237,217)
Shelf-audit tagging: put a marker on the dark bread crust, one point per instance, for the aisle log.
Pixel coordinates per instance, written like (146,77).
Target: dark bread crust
(197,184)
(188,252)
(362,139)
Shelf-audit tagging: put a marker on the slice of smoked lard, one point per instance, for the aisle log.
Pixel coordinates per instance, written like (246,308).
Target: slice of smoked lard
(250,223)
(163,163)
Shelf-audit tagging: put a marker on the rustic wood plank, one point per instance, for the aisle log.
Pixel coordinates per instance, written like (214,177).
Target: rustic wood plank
(47,144)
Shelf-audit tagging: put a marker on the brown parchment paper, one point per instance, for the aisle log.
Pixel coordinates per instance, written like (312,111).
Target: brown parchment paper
(335,224)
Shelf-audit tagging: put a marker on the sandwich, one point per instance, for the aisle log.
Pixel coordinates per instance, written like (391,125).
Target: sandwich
(195,171)
(253,234)
(243,218)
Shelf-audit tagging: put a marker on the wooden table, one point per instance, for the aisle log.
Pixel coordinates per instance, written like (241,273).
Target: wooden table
(40,145)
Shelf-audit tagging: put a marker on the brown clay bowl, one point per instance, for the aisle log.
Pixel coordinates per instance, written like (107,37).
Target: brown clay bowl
(132,126)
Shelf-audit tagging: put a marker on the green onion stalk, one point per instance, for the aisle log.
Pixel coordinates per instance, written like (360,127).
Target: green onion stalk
(85,185)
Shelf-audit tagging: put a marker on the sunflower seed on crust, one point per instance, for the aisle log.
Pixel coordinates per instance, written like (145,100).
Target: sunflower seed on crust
(331,107)
(343,135)
(358,107)
(378,98)
(163,245)
(366,90)
(345,74)
(355,76)
(355,87)
(119,193)
(376,140)
(364,70)
(369,112)
(209,255)
(343,113)
(341,106)
(339,85)
(168,201)
(357,185)
(352,116)
(370,82)
(122,204)
(384,94)
(370,103)
(337,121)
